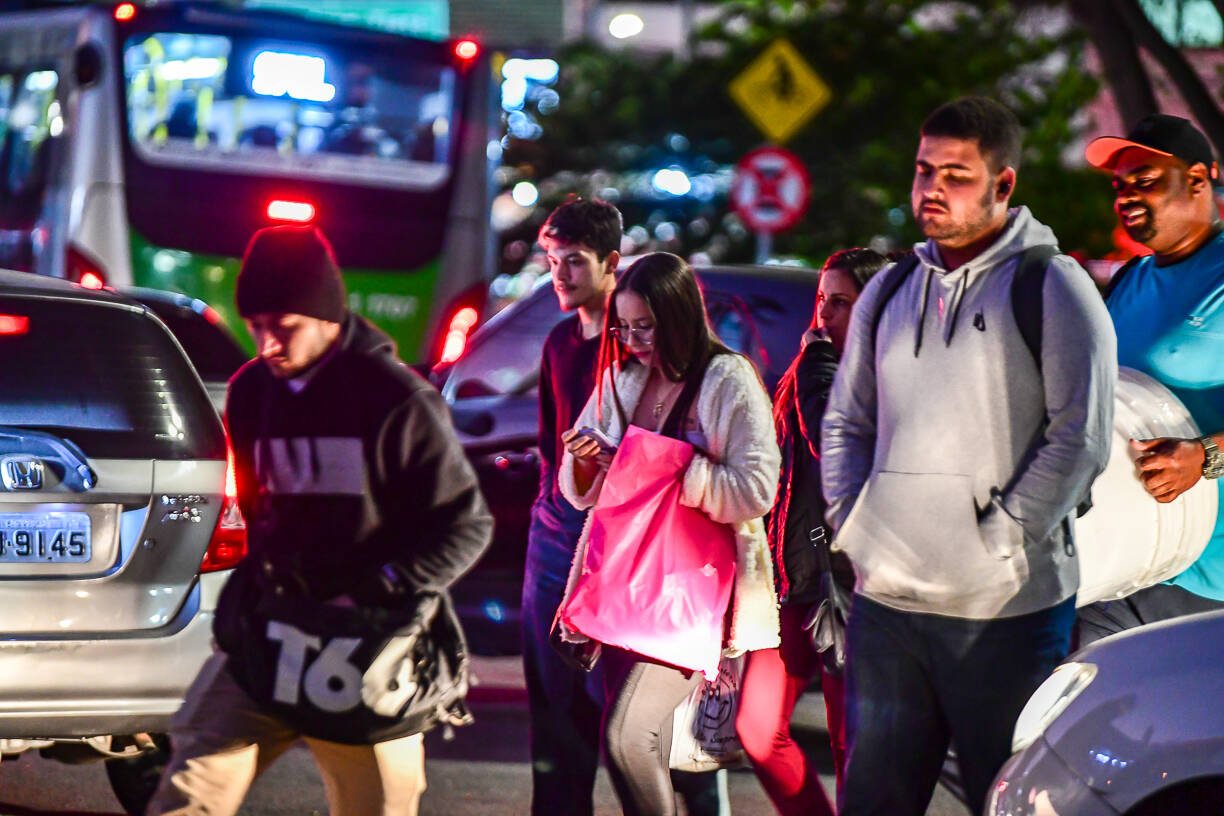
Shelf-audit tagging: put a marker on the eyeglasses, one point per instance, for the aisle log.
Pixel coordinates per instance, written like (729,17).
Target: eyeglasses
(644,336)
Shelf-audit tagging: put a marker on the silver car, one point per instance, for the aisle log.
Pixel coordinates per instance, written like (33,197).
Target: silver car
(1133,724)
(116,527)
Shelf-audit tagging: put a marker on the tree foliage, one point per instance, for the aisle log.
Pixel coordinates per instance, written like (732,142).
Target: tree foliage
(888,63)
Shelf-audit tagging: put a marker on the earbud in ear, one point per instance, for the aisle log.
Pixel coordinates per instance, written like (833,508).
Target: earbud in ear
(1004,187)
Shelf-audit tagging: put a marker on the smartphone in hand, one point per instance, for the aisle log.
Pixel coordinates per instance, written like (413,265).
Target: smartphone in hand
(605,444)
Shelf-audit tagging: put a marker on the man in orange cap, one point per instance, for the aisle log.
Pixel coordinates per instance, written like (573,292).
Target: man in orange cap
(1168,311)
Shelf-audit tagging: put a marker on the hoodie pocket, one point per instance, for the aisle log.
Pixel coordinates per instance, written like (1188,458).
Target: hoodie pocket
(916,536)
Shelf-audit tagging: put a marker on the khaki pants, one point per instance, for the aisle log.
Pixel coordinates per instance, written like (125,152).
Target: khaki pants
(221,740)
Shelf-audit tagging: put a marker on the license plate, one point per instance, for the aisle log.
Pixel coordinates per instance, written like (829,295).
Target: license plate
(41,538)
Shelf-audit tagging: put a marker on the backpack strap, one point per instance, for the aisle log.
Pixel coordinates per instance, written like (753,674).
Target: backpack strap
(896,276)
(1026,295)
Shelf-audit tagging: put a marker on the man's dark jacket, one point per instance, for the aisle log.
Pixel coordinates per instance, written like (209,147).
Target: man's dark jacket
(356,485)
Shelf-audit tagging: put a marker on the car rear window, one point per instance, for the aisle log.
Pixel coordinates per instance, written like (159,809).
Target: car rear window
(109,379)
(209,346)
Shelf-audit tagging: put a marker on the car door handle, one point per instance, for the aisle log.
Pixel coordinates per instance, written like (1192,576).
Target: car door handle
(514,461)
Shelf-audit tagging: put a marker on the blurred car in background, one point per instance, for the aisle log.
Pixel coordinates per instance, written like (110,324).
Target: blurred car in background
(1131,724)
(209,345)
(116,530)
(761,311)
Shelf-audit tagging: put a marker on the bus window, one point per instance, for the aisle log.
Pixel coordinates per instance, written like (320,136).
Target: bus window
(211,101)
(30,120)
(377,139)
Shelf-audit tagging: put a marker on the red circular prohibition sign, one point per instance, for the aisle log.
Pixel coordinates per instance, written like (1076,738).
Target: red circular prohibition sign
(771,189)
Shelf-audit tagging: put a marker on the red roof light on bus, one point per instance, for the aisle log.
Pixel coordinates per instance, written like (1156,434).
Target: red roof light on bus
(12,325)
(299,211)
(467,49)
(125,12)
(91,280)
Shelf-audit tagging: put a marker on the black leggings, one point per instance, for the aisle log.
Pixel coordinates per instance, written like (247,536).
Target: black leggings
(642,695)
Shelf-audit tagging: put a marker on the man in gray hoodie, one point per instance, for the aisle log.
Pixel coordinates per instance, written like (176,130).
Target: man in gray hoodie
(955,450)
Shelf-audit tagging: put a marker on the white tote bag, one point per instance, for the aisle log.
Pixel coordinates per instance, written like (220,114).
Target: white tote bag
(703,726)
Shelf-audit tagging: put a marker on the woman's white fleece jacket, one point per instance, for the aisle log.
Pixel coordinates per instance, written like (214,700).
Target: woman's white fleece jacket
(735,485)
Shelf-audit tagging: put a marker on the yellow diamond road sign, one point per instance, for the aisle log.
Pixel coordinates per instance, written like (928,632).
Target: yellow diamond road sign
(779,91)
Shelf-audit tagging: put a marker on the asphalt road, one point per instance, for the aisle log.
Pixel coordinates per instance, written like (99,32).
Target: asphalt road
(482,771)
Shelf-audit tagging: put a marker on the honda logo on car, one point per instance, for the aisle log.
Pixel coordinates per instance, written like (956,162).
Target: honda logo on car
(21,472)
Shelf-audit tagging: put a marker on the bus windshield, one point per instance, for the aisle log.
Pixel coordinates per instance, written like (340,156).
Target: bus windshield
(255,105)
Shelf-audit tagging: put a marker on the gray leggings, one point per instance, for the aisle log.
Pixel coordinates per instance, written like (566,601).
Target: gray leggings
(637,729)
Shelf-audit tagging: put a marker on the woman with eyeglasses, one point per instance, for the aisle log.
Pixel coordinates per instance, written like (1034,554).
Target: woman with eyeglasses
(774,678)
(658,339)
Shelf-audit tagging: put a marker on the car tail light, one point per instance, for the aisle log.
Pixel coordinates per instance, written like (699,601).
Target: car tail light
(457,333)
(83,269)
(11,325)
(213,317)
(124,12)
(280,209)
(229,541)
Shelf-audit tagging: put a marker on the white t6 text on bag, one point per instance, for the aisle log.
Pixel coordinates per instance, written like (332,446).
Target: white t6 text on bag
(331,683)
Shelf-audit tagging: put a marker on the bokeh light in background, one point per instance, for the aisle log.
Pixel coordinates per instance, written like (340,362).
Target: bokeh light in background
(525,194)
(673,181)
(624,26)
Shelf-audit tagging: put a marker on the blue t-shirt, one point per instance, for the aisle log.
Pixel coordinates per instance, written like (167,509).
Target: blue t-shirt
(1170,325)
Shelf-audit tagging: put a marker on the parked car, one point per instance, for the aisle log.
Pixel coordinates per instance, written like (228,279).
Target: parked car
(116,528)
(209,345)
(1130,725)
(493,392)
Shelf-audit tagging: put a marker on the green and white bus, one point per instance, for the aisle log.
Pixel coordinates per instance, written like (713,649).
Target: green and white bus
(145,144)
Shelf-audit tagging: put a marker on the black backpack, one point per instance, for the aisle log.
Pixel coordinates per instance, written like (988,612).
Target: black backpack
(1026,300)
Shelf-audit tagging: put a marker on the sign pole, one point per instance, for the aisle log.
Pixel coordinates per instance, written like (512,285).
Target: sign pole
(764,246)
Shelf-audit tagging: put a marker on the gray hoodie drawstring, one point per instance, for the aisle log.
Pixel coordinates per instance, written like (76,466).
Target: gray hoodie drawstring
(922,313)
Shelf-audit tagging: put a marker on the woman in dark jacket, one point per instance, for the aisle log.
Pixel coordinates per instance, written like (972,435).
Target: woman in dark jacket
(774,678)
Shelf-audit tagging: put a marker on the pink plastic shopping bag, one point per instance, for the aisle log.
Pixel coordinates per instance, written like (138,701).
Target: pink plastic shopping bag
(658,575)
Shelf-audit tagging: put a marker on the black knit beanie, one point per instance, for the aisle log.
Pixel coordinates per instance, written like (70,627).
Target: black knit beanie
(291,269)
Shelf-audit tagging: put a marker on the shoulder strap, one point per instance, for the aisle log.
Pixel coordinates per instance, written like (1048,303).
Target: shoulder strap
(1120,274)
(1027,308)
(1026,295)
(896,276)
(672,426)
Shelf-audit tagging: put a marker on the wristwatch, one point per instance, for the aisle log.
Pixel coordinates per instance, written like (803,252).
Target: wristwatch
(1213,458)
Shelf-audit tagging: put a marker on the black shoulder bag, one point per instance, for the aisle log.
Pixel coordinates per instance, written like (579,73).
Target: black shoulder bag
(350,674)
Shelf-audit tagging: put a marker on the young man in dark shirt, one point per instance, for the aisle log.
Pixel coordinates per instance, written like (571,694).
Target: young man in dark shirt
(357,496)
(582,238)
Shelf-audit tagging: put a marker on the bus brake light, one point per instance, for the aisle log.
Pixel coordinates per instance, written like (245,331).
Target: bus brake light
(299,211)
(11,325)
(81,268)
(124,12)
(467,50)
(457,335)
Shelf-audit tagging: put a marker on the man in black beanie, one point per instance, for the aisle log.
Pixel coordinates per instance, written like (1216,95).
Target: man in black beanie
(359,503)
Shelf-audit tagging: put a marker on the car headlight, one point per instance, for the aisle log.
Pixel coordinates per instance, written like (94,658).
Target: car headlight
(1049,701)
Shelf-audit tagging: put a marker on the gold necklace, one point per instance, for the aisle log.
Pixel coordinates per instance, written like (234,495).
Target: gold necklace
(657,410)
